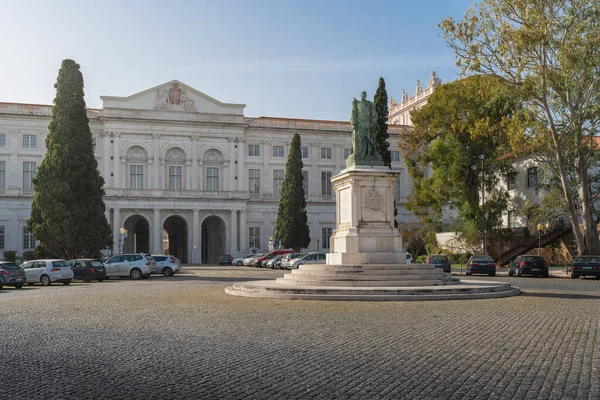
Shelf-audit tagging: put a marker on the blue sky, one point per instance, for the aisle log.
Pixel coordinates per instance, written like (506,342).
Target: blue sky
(297,59)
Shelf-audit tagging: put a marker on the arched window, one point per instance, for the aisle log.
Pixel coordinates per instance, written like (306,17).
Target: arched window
(135,159)
(175,161)
(213,165)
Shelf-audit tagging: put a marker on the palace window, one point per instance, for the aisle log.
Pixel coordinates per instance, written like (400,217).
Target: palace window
(305,182)
(347,153)
(30,141)
(304,152)
(2,174)
(175,177)
(278,151)
(28,239)
(278,176)
(326,186)
(136,177)
(28,174)
(325,235)
(254,181)
(326,153)
(3,140)
(254,237)
(212,179)
(532,177)
(397,189)
(511,181)
(395,156)
(254,150)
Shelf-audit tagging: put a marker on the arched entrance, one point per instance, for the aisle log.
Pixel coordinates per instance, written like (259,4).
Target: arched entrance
(137,238)
(176,229)
(213,239)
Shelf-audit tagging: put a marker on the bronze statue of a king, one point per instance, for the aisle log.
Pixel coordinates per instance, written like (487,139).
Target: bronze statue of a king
(364,117)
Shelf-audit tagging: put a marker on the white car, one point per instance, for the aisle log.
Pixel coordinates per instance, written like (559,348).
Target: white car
(250,260)
(239,261)
(287,259)
(409,259)
(47,272)
(310,258)
(166,265)
(274,261)
(136,266)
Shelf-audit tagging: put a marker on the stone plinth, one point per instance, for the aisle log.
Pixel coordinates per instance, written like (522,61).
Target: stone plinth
(365,232)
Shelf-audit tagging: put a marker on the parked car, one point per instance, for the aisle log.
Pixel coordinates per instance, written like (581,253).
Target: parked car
(47,272)
(409,258)
(258,261)
(481,264)
(225,259)
(528,264)
(11,275)
(166,265)
(310,258)
(586,266)
(286,260)
(274,261)
(248,261)
(440,261)
(136,266)
(88,269)
(239,261)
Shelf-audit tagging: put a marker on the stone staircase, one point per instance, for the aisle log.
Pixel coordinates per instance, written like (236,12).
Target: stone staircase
(370,282)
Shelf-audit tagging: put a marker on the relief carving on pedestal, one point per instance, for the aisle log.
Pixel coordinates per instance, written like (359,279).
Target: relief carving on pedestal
(374,201)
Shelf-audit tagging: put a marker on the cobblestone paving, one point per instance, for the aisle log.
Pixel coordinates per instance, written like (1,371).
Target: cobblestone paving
(183,337)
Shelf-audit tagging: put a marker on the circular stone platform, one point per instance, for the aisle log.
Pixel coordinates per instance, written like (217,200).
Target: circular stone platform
(388,282)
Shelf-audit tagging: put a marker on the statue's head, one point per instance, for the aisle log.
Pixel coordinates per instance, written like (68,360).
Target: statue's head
(363,95)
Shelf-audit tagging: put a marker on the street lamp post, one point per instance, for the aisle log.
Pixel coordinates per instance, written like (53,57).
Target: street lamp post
(121,238)
(482,157)
(318,246)
(540,228)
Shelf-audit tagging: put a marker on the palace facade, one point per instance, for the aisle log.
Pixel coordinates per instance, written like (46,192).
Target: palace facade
(185,173)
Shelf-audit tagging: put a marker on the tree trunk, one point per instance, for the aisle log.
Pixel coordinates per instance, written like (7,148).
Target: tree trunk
(592,244)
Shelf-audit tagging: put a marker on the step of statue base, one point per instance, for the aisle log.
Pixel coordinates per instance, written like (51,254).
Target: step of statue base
(465,290)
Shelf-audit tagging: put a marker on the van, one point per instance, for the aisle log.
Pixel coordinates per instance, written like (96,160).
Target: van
(409,259)
(258,262)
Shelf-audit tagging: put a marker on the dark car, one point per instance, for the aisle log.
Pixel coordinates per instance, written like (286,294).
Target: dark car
(225,259)
(440,261)
(586,266)
(11,275)
(88,269)
(481,264)
(528,265)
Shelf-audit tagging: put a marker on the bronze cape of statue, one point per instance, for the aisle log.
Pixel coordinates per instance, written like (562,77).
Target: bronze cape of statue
(364,117)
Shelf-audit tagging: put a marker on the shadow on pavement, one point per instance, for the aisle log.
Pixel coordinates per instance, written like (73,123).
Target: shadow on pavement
(561,295)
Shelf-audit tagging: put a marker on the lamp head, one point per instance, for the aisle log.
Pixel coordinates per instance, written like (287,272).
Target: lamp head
(122,231)
(540,227)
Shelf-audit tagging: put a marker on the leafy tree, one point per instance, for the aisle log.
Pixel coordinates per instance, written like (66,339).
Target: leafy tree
(549,51)
(67,214)
(461,122)
(292,223)
(380,132)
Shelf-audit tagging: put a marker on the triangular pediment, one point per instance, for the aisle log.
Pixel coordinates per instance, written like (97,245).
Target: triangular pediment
(173,96)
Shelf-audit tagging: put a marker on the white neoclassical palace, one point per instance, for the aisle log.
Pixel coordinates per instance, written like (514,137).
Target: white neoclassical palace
(186,173)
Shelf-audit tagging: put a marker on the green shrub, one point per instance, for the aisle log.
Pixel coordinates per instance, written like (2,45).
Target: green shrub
(28,255)
(10,255)
(421,259)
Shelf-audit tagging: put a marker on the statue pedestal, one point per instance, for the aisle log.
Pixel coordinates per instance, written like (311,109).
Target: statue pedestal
(365,232)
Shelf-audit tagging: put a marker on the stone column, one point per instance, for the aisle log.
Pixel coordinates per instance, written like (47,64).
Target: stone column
(196,237)
(187,184)
(194,162)
(242,183)
(156,155)
(156,232)
(106,159)
(14,180)
(117,160)
(243,232)
(14,240)
(116,227)
(231,184)
(338,157)
(266,181)
(234,248)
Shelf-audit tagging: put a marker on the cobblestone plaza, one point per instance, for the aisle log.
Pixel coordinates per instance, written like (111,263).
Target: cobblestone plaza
(183,337)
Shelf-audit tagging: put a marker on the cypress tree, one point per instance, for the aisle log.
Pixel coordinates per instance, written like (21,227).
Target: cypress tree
(380,133)
(67,213)
(292,223)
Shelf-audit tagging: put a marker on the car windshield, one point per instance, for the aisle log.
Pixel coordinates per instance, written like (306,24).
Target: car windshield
(438,258)
(9,266)
(533,258)
(587,259)
(97,264)
(60,264)
(482,258)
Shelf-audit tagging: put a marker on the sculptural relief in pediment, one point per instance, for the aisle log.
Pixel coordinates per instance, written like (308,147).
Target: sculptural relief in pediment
(174,98)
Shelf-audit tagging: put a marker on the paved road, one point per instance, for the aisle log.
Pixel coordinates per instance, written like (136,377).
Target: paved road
(183,337)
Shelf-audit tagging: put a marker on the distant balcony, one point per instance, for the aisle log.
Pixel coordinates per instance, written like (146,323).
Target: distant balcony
(178,194)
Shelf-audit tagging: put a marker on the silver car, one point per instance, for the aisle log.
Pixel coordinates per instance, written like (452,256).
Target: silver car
(167,265)
(286,260)
(274,262)
(310,258)
(137,266)
(250,260)
(47,272)
(239,261)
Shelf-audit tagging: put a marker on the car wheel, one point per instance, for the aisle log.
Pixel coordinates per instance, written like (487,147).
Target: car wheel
(67,282)
(510,273)
(86,278)
(17,286)
(136,274)
(239,263)
(519,272)
(101,279)
(45,280)
(1,285)
(546,275)
(167,271)
(468,274)
(574,276)
(493,274)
